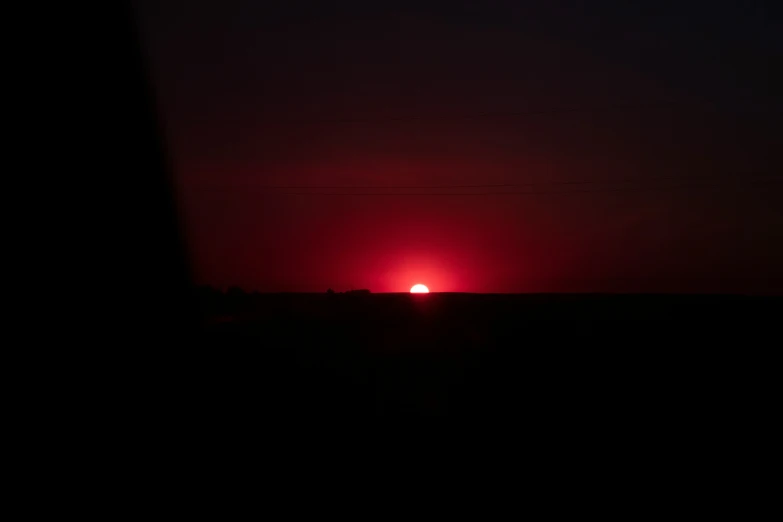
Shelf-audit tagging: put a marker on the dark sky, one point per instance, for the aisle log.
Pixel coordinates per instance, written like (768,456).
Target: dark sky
(643,140)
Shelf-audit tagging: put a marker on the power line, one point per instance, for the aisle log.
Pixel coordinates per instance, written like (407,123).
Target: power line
(516,185)
(514,193)
(708,105)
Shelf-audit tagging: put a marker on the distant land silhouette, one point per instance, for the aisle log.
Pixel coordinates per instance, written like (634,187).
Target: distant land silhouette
(476,354)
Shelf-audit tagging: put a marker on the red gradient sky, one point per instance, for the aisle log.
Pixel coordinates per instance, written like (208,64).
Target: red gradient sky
(354,95)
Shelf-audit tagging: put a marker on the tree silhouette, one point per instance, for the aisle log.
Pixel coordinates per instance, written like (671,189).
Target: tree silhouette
(236,299)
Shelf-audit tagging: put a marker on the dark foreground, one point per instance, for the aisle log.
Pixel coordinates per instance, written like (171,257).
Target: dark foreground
(546,357)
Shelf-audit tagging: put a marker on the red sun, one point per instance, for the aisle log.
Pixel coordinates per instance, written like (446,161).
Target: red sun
(419,289)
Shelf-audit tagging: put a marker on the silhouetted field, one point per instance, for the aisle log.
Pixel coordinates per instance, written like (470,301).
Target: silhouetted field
(576,357)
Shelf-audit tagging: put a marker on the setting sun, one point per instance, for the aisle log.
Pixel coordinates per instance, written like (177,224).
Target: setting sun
(419,289)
